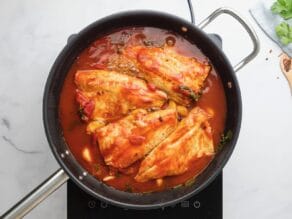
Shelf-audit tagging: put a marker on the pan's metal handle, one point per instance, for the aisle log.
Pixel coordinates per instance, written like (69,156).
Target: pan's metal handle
(247,27)
(36,196)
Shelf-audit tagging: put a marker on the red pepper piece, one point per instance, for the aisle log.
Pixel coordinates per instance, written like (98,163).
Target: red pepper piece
(81,99)
(88,108)
(136,139)
(151,86)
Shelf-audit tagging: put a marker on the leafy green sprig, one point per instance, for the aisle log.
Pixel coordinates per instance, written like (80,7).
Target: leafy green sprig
(283,8)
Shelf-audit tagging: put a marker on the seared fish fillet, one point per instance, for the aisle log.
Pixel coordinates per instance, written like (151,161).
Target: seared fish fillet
(123,142)
(180,76)
(108,95)
(173,156)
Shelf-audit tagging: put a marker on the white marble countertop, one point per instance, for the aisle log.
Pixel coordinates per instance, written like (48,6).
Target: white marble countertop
(258,177)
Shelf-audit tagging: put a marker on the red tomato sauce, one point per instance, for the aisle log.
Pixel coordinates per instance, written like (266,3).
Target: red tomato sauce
(95,57)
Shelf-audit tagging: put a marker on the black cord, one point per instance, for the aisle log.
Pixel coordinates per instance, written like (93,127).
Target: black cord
(191,11)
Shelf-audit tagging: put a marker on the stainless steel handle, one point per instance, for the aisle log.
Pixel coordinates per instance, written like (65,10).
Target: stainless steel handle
(36,196)
(247,27)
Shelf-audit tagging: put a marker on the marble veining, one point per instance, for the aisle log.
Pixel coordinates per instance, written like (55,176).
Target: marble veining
(5,122)
(16,147)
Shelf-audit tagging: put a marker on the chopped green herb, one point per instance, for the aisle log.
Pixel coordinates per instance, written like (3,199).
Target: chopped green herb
(225,138)
(284,32)
(117,174)
(81,114)
(183,87)
(190,182)
(128,188)
(148,43)
(195,97)
(190,92)
(96,167)
(151,43)
(283,8)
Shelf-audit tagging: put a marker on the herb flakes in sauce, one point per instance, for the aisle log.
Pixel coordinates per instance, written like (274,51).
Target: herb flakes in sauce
(225,138)
(128,188)
(190,92)
(96,167)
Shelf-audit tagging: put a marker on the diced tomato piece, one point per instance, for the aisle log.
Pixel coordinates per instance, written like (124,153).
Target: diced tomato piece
(99,42)
(80,98)
(98,65)
(136,139)
(165,105)
(102,58)
(88,108)
(151,86)
(94,139)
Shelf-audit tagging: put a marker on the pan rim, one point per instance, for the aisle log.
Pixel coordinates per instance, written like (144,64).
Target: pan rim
(61,161)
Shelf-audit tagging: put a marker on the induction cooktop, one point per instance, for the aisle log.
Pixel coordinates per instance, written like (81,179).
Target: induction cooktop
(205,205)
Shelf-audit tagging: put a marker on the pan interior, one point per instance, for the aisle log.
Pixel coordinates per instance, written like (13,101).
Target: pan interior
(57,76)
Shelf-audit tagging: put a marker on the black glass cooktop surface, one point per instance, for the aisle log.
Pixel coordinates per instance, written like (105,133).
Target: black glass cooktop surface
(205,205)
